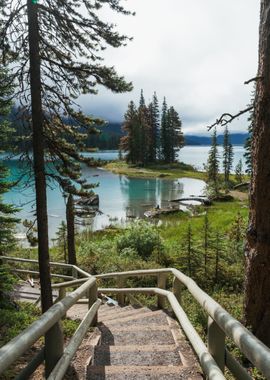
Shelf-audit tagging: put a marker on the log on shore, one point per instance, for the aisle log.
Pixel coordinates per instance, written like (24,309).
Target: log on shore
(203,200)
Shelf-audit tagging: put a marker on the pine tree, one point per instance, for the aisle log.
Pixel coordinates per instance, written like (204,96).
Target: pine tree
(61,239)
(248,142)
(213,163)
(175,135)
(164,136)
(59,63)
(206,241)
(130,142)
(227,157)
(144,140)
(239,172)
(7,211)
(154,145)
(57,51)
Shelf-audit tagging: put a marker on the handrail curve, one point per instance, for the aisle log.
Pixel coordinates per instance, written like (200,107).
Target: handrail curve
(221,323)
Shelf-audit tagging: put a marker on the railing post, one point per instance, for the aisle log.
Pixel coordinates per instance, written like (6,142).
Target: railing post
(120,297)
(177,289)
(92,297)
(216,343)
(162,279)
(74,273)
(54,347)
(61,295)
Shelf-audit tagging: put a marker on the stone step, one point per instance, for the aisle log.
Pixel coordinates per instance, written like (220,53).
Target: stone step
(138,372)
(137,319)
(134,328)
(137,335)
(103,356)
(121,313)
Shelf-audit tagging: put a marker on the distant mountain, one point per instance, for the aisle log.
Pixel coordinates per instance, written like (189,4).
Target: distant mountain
(236,139)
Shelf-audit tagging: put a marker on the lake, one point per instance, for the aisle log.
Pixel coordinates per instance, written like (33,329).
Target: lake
(193,155)
(121,198)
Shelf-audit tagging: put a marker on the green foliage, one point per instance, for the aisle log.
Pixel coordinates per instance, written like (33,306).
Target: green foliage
(212,167)
(7,211)
(69,327)
(148,138)
(248,143)
(14,320)
(7,281)
(144,239)
(227,157)
(239,172)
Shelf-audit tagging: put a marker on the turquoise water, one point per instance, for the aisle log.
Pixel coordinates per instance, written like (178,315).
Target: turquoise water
(193,155)
(121,198)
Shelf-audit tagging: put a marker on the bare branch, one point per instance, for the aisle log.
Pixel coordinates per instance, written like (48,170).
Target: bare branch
(227,118)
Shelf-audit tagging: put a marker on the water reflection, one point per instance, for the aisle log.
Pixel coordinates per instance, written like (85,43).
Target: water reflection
(121,198)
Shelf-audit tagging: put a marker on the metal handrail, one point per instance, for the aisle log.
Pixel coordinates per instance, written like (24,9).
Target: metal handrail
(220,323)
(257,352)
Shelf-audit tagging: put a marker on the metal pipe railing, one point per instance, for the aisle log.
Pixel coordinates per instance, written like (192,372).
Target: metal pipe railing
(63,364)
(250,346)
(207,362)
(221,323)
(18,345)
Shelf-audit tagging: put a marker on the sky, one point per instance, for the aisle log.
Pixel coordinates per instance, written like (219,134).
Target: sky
(196,53)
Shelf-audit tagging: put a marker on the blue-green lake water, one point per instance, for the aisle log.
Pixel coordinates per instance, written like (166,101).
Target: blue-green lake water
(120,197)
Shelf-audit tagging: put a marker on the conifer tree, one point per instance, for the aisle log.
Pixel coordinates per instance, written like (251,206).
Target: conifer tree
(213,163)
(239,172)
(227,156)
(175,135)
(7,211)
(154,143)
(248,142)
(144,140)
(164,136)
(206,241)
(58,50)
(130,142)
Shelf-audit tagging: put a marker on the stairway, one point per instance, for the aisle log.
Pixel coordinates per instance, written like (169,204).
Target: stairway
(138,343)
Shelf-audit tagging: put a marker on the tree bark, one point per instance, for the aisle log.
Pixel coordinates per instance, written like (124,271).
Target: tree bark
(71,230)
(38,155)
(257,282)
(54,337)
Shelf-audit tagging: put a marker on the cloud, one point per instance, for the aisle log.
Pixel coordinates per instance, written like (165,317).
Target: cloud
(196,53)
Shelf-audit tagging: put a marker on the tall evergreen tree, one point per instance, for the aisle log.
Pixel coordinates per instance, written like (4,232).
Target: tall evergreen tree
(7,211)
(154,124)
(227,156)
(130,142)
(164,135)
(213,163)
(144,132)
(248,142)
(57,53)
(175,134)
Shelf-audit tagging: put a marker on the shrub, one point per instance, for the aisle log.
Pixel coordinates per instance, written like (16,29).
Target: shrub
(143,238)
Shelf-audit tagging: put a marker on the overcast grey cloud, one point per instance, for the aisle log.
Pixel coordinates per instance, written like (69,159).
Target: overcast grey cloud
(197,53)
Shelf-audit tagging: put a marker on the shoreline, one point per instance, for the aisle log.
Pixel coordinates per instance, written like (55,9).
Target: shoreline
(162,171)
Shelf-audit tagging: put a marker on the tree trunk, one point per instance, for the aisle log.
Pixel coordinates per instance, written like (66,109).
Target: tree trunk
(54,337)
(71,230)
(257,284)
(38,154)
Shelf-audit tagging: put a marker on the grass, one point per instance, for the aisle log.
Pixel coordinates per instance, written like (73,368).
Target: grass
(155,171)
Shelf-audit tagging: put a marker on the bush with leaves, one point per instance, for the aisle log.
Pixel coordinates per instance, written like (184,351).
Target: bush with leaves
(7,282)
(144,239)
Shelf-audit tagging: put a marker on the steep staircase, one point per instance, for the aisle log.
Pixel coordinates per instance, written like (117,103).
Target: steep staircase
(139,343)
